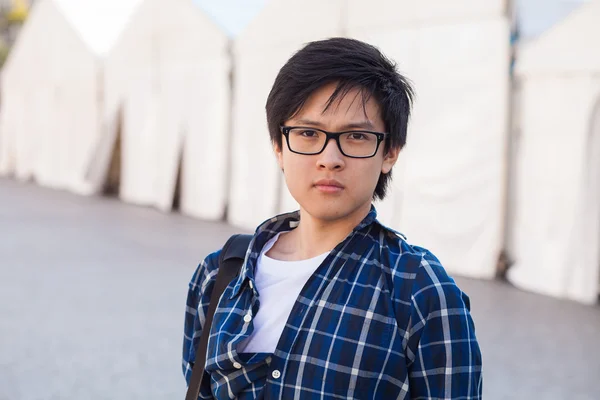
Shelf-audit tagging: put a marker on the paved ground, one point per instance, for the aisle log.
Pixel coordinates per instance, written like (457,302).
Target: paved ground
(92,294)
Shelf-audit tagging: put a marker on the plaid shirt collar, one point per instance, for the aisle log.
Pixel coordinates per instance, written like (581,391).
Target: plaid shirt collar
(270,228)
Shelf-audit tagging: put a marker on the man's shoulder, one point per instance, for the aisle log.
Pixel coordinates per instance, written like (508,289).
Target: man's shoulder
(431,267)
(434,287)
(417,265)
(205,271)
(404,257)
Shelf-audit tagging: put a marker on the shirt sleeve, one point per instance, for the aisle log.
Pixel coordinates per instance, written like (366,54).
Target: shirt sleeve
(444,359)
(198,300)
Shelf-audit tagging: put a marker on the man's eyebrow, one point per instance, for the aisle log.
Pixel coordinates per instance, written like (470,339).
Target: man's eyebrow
(366,124)
(358,125)
(305,121)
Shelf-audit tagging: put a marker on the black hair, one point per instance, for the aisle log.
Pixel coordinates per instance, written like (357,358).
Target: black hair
(351,64)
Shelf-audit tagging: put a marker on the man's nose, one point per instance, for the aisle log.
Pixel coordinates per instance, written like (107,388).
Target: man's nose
(331,157)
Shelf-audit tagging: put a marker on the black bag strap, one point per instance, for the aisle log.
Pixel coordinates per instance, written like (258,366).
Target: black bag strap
(230,262)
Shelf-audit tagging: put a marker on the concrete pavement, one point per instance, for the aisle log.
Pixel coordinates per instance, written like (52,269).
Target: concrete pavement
(92,295)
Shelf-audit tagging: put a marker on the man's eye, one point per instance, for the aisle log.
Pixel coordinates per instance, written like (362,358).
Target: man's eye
(308,133)
(358,136)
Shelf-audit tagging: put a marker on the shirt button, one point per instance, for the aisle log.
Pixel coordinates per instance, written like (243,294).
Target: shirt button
(247,318)
(237,365)
(251,284)
(276,374)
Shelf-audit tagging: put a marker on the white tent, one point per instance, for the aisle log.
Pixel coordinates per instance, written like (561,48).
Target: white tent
(555,233)
(282,27)
(448,190)
(458,57)
(167,77)
(51,108)
(231,15)
(536,16)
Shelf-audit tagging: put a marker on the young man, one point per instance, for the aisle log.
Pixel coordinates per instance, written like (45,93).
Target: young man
(330,303)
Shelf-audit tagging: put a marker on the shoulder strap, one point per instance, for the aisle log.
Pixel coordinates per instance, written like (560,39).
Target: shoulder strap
(230,262)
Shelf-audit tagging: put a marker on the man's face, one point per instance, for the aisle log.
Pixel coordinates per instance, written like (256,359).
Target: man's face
(330,186)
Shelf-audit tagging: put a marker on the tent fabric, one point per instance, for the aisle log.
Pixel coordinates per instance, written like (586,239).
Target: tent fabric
(164,81)
(257,188)
(448,187)
(159,76)
(231,15)
(555,234)
(169,76)
(533,17)
(257,184)
(451,201)
(51,114)
(99,23)
(567,48)
(387,15)
(555,230)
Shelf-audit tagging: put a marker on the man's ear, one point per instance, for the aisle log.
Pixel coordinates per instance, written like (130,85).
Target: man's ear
(389,159)
(278,154)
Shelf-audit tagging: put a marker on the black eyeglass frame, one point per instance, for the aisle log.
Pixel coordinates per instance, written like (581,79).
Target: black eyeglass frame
(332,135)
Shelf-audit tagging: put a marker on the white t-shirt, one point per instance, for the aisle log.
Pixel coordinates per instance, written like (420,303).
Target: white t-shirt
(278,283)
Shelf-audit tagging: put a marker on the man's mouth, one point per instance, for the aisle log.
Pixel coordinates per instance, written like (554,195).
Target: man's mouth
(329,186)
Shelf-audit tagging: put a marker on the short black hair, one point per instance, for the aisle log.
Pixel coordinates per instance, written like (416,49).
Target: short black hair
(351,64)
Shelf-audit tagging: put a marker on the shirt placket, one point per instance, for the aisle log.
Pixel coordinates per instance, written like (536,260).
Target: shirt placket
(276,376)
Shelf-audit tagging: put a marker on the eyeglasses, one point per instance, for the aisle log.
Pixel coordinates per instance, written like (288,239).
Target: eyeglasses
(311,141)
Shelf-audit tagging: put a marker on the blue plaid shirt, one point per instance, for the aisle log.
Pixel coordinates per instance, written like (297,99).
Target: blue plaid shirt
(379,319)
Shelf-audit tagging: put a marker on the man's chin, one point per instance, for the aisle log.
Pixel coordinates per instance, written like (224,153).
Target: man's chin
(328,211)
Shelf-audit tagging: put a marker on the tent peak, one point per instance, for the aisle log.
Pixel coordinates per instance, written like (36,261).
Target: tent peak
(231,15)
(99,22)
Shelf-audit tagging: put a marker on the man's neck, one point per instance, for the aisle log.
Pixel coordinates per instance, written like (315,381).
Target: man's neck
(315,236)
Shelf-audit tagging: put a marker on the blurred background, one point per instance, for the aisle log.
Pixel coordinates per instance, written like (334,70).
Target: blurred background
(133,142)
